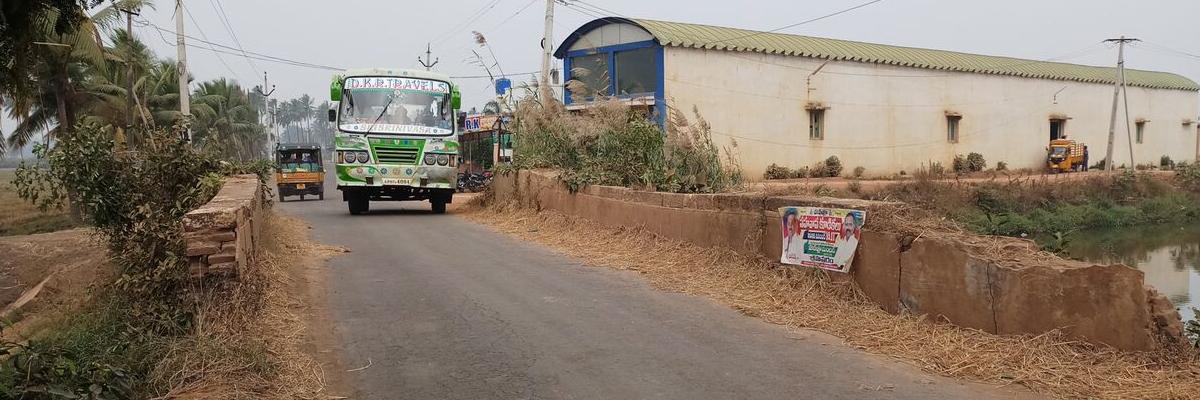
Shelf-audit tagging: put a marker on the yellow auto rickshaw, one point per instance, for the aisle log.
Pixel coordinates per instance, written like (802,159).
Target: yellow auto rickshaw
(299,170)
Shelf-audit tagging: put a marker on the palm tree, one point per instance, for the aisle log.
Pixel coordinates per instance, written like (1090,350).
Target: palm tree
(50,92)
(226,120)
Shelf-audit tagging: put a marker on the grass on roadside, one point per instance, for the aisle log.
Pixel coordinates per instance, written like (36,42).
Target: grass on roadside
(19,217)
(1049,364)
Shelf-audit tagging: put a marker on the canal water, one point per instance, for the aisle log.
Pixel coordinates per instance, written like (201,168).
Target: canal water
(1168,254)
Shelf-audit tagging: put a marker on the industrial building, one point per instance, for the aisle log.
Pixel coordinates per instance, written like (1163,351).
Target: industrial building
(795,100)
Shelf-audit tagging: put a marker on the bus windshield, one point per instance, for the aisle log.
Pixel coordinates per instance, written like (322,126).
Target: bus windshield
(394,105)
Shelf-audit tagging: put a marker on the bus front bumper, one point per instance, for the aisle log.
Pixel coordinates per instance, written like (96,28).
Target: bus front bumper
(380,176)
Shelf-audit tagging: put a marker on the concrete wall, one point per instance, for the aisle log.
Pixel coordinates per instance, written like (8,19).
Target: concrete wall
(998,285)
(221,235)
(889,118)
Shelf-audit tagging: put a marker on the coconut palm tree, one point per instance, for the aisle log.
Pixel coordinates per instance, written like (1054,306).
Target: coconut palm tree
(226,120)
(50,93)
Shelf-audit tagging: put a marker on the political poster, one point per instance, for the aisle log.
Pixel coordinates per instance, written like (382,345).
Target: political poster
(818,237)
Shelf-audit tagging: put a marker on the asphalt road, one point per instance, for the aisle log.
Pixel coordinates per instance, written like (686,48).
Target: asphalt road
(441,308)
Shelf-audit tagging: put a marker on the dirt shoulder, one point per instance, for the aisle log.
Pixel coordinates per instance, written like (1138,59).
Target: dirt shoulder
(47,275)
(290,249)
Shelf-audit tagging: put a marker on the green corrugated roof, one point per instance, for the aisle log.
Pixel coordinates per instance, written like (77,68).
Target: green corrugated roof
(721,38)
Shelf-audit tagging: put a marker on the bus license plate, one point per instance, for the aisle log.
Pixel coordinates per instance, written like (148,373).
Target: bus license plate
(299,186)
(397,181)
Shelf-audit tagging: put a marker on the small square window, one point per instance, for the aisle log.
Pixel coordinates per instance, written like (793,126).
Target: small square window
(1141,132)
(952,128)
(816,124)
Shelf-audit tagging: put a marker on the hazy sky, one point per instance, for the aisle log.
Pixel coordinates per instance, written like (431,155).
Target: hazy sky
(369,33)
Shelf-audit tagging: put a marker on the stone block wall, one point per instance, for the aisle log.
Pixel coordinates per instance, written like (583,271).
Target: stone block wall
(221,235)
(995,284)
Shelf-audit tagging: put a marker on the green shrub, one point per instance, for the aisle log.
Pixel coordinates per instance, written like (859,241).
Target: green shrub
(833,167)
(959,165)
(975,162)
(775,171)
(818,171)
(1188,176)
(859,171)
(1165,162)
(612,145)
(1001,166)
(135,200)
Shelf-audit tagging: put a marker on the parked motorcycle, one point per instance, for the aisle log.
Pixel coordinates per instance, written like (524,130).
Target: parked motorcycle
(474,182)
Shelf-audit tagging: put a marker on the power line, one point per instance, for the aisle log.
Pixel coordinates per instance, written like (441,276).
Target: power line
(810,20)
(1159,47)
(257,56)
(514,15)
(234,53)
(490,76)
(439,39)
(229,28)
(214,50)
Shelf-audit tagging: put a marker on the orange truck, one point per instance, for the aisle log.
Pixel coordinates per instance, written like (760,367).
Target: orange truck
(299,170)
(1066,155)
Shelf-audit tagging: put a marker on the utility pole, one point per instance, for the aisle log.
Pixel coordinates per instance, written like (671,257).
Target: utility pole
(268,119)
(428,54)
(547,52)
(1118,85)
(185,102)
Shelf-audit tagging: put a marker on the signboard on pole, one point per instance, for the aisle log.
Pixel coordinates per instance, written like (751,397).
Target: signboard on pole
(818,237)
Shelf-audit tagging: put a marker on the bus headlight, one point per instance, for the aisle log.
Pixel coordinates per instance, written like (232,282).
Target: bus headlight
(345,156)
(363,157)
(443,159)
(430,158)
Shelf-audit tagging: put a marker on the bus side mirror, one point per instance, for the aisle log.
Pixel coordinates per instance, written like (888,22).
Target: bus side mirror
(332,115)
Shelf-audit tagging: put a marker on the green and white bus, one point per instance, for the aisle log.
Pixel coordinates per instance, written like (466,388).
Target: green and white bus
(397,137)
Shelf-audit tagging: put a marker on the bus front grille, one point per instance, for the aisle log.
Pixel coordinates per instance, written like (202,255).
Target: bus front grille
(397,155)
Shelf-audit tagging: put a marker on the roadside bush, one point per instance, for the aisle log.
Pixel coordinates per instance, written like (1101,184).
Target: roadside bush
(609,144)
(775,171)
(975,162)
(1165,163)
(959,165)
(859,171)
(833,167)
(1001,166)
(855,187)
(135,200)
(1188,176)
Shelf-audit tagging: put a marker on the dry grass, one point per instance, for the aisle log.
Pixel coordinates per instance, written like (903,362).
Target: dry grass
(1048,364)
(250,338)
(18,217)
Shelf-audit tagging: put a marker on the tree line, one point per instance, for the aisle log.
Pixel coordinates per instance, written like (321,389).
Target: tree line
(64,66)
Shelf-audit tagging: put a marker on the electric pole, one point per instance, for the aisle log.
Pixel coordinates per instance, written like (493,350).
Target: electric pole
(268,118)
(185,103)
(547,52)
(428,54)
(1118,86)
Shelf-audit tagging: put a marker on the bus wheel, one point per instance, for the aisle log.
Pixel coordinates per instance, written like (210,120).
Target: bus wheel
(321,196)
(439,205)
(359,204)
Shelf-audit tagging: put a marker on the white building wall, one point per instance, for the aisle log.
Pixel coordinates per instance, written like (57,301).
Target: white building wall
(889,118)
